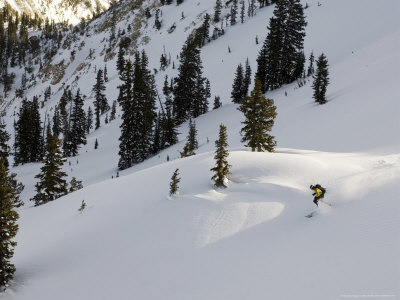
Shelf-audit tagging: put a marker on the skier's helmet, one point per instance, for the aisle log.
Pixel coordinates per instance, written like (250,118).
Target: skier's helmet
(311,187)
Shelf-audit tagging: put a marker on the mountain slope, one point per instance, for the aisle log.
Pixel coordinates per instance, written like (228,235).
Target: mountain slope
(250,241)
(70,11)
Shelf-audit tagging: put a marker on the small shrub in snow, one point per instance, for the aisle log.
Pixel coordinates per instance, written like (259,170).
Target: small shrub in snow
(173,190)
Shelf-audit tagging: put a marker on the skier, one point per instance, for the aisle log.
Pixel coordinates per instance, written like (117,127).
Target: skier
(319,193)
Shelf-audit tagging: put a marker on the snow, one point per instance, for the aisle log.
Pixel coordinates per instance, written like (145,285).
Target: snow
(251,240)
(58,10)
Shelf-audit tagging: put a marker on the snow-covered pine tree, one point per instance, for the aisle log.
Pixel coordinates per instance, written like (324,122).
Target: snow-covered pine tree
(321,79)
(221,169)
(173,186)
(52,183)
(8,227)
(259,115)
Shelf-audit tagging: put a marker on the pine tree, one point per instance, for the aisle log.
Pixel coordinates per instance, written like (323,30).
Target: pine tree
(259,115)
(8,228)
(293,41)
(217,102)
(237,87)
(217,11)
(57,122)
(247,79)
(280,60)
(321,79)
(17,187)
(137,98)
(191,143)
(89,120)
(234,11)
(77,133)
(222,167)
(14,185)
(52,184)
(29,138)
(65,99)
(173,186)
(268,60)
(163,62)
(105,74)
(190,85)
(169,126)
(75,185)
(128,106)
(252,8)
(157,22)
(144,89)
(120,61)
(100,102)
(158,140)
(4,149)
(96,144)
(113,110)
(310,69)
(242,10)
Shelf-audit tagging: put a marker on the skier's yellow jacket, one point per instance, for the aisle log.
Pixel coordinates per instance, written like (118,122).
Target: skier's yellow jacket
(317,191)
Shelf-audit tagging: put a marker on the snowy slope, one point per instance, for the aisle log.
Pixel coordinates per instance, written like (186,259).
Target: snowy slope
(250,241)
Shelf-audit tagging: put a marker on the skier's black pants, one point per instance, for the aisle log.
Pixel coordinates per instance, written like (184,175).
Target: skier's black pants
(316,199)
